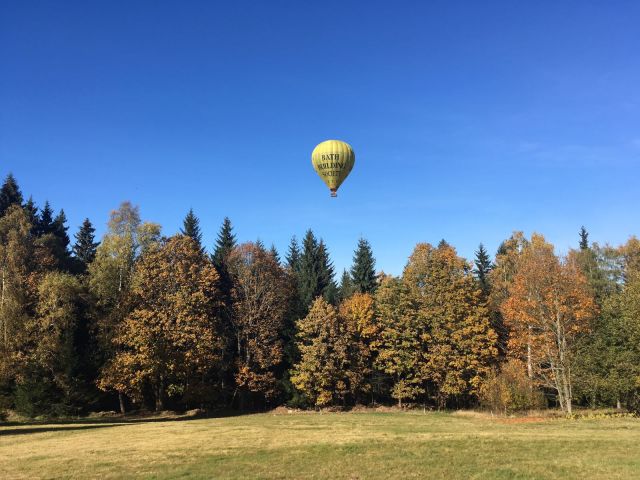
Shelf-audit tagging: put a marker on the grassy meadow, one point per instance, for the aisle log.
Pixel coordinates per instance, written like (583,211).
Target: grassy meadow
(370,445)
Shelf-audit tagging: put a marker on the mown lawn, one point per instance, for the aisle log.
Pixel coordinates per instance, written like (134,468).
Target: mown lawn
(332,446)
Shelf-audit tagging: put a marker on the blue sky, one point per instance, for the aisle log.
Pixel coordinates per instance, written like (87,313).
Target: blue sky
(469,119)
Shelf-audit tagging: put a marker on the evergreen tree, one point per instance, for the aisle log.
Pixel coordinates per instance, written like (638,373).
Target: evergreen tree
(308,274)
(293,255)
(45,220)
(191,228)
(363,271)
(60,246)
(9,194)
(327,284)
(482,268)
(225,243)
(346,288)
(32,214)
(85,247)
(60,229)
(273,251)
(315,274)
(584,238)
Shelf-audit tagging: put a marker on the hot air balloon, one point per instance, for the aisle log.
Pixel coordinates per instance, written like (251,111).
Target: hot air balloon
(333,160)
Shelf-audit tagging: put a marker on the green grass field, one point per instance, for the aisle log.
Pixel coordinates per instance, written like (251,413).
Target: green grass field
(331,445)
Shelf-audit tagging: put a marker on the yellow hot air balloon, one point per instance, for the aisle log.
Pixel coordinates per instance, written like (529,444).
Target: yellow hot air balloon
(333,160)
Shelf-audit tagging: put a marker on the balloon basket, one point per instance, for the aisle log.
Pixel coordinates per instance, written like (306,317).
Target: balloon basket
(334,193)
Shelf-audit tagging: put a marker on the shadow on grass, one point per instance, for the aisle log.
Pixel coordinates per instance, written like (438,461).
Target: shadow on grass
(53,428)
(51,425)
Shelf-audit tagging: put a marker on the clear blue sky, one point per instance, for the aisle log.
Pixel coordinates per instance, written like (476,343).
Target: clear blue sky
(469,119)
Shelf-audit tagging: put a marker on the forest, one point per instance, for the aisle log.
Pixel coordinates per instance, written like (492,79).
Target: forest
(137,320)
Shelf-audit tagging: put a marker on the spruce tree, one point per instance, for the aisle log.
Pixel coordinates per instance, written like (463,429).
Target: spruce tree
(346,288)
(363,271)
(60,246)
(45,220)
(60,229)
(316,274)
(273,251)
(191,228)
(225,243)
(584,238)
(293,255)
(482,268)
(327,284)
(308,271)
(85,247)
(9,194)
(32,213)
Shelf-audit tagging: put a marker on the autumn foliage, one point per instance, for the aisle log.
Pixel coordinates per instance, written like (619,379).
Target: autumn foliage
(139,320)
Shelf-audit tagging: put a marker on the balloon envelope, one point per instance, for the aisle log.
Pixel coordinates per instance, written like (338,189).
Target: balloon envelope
(333,160)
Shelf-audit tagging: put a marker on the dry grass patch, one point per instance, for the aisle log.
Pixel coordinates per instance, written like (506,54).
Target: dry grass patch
(328,445)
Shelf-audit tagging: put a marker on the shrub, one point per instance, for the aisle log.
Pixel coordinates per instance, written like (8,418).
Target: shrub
(510,390)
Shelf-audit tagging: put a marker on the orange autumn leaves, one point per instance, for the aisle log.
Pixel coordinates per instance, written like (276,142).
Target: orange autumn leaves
(549,304)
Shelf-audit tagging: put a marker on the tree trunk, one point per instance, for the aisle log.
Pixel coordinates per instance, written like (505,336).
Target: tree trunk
(121,400)
(618,404)
(160,395)
(529,360)
(3,317)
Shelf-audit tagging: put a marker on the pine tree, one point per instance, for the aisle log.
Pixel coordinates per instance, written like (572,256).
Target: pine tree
(225,243)
(60,247)
(32,214)
(326,284)
(293,255)
(45,220)
(85,247)
(274,253)
(584,238)
(10,194)
(191,228)
(482,268)
(346,288)
(60,229)
(363,271)
(308,274)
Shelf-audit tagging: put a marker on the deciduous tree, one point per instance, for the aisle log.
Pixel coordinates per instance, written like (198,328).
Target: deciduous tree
(549,306)
(260,298)
(323,342)
(171,339)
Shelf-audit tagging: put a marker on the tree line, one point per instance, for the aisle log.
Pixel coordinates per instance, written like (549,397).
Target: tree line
(138,320)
